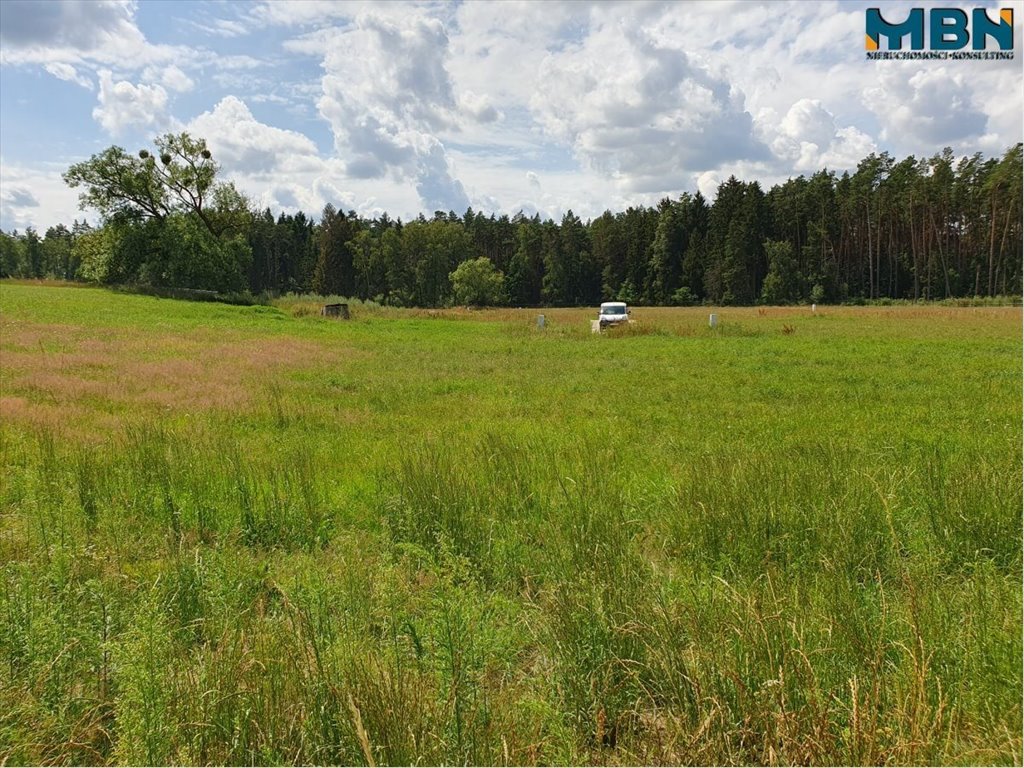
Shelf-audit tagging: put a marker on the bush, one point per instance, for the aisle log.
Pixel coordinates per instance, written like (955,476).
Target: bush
(478,283)
(683,297)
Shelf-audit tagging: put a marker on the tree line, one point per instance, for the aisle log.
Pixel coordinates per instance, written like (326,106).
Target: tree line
(918,228)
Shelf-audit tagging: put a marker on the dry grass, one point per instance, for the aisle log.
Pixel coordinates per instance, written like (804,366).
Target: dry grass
(676,319)
(53,375)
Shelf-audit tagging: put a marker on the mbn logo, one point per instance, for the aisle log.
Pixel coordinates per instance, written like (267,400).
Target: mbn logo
(948,29)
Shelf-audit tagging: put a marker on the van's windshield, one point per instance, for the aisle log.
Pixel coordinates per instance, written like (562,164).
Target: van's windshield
(613,311)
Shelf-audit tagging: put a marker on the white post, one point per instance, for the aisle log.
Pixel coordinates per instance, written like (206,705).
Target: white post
(713,320)
(814,308)
(540,321)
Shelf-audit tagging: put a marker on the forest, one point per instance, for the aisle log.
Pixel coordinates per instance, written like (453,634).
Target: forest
(921,228)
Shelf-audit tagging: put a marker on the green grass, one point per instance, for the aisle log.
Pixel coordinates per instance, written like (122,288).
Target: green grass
(252,535)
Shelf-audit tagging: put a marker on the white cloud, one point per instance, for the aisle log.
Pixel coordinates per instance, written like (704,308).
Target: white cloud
(508,105)
(495,184)
(500,53)
(931,107)
(29,25)
(247,147)
(282,170)
(269,98)
(17,207)
(478,107)
(808,122)
(68,35)
(295,13)
(226,27)
(387,95)
(68,73)
(638,111)
(778,54)
(708,183)
(35,197)
(123,105)
(315,43)
(171,77)
(848,148)
(234,63)
(311,191)
(70,32)
(808,139)
(298,13)
(238,21)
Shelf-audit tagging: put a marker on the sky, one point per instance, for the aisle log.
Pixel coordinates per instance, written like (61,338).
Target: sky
(539,107)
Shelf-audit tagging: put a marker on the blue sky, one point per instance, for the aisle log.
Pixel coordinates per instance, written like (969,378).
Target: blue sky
(504,106)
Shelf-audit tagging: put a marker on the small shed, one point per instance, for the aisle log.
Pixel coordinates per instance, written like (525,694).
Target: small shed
(335,310)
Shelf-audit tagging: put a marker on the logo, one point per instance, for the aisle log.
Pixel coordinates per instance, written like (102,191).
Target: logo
(948,32)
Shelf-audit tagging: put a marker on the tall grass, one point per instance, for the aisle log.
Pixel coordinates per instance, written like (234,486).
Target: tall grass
(741,615)
(473,553)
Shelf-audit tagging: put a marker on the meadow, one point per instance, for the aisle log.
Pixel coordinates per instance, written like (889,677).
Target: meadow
(237,535)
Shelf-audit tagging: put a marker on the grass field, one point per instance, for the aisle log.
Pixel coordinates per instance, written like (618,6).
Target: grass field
(252,535)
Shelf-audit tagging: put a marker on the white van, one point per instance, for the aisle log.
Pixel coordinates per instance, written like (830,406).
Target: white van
(613,313)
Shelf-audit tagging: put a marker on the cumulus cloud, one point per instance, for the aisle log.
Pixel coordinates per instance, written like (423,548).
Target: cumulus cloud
(690,79)
(282,169)
(640,111)
(387,94)
(68,73)
(708,183)
(245,146)
(437,187)
(808,138)
(433,105)
(932,107)
(809,123)
(848,148)
(123,105)
(500,54)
